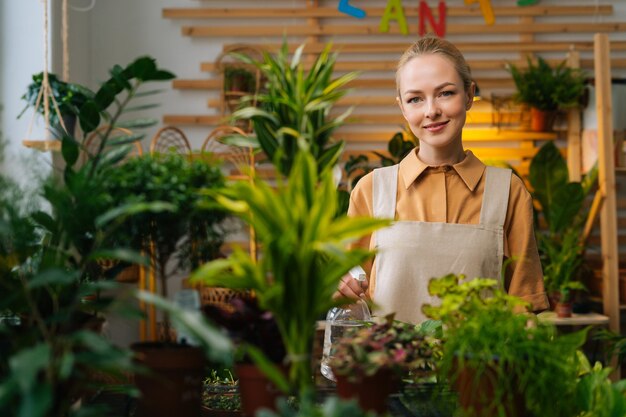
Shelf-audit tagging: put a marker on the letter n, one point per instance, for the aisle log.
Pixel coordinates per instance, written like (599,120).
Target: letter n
(425,13)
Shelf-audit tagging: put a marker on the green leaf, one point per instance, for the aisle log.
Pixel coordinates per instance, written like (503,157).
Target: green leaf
(268,368)
(89,117)
(241,141)
(53,276)
(125,139)
(137,123)
(36,402)
(141,107)
(27,363)
(45,220)
(143,68)
(161,75)
(132,209)
(147,93)
(566,204)
(216,345)
(120,254)
(69,150)
(548,172)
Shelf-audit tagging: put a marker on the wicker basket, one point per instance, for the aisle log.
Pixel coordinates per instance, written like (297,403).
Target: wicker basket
(221,297)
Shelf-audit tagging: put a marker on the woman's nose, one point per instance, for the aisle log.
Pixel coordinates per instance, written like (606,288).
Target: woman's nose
(432,109)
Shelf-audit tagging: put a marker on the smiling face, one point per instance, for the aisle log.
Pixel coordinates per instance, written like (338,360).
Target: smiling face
(434,102)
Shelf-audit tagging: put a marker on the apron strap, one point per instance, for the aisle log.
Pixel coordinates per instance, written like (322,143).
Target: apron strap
(495,196)
(384,192)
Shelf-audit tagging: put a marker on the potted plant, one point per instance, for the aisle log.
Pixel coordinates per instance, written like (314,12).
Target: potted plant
(561,206)
(369,362)
(253,331)
(51,355)
(238,78)
(546,89)
(293,111)
(304,254)
(220,397)
(171,181)
(501,361)
(69,98)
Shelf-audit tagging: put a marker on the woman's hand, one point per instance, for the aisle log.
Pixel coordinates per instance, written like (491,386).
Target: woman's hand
(351,288)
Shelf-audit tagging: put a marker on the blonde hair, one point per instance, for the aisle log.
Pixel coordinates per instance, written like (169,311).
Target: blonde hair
(434,45)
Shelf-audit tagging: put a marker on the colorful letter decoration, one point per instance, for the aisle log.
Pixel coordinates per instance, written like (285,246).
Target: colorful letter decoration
(347,8)
(527,2)
(485,7)
(426,13)
(394,10)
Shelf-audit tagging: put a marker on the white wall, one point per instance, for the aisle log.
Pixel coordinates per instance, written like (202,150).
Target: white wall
(21,55)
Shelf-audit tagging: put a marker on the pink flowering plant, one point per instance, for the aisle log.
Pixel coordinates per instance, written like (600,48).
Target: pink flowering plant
(401,347)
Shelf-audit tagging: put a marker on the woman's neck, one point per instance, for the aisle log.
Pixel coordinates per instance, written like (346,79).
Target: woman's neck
(436,157)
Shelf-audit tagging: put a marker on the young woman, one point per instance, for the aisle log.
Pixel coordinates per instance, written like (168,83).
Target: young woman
(453,214)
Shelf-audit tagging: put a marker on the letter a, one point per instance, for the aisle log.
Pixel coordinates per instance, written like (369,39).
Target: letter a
(425,12)
(394,10)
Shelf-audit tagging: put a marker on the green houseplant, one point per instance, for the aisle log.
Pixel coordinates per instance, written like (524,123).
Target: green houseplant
(292,113)
(503,362)
(172,182)
(564,212)
(546,89)
(304,254)
(51,347)
(69,98)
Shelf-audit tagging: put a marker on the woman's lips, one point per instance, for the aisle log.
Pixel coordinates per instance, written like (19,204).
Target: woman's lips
(436,127)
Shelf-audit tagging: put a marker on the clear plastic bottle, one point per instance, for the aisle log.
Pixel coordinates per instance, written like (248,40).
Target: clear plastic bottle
(338,321)
(187,299)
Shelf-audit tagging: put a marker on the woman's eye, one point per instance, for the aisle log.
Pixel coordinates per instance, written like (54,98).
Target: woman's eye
(447,93)
(414,100)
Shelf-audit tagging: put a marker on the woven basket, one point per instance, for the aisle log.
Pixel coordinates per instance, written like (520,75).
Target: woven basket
(221,297)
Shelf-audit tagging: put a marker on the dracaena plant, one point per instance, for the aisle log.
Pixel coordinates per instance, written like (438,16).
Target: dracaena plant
(292,111)
(304,253)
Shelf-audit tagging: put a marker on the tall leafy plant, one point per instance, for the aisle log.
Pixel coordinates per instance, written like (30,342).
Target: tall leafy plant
(49,351)
(293,110)
(563,208)
(304,253)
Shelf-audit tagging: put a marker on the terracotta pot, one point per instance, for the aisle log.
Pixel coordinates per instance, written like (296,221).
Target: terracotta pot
(563,310)
(371,392)
(477,394)
(256,390)
(540,120)
(174,385)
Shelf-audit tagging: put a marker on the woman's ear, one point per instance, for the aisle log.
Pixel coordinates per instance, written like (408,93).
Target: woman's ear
(470,96)
(399,101)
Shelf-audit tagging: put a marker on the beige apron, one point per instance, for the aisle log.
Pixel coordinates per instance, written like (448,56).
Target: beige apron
(409,253)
